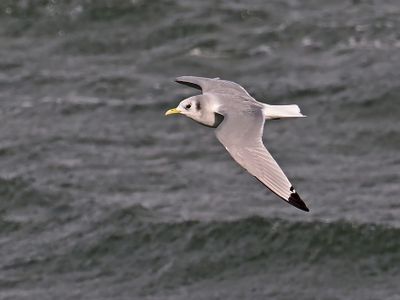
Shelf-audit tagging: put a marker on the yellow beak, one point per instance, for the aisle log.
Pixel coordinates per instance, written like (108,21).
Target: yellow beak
(172,111)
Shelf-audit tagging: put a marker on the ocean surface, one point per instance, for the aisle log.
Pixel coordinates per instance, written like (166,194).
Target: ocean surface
(102,197)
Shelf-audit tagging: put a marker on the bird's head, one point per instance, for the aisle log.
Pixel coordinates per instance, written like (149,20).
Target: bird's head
(198,108)
(190,107)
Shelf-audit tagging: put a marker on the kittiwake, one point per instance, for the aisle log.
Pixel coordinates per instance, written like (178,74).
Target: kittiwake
(239,120)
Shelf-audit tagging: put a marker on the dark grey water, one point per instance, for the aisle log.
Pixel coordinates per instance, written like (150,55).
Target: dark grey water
(102,197)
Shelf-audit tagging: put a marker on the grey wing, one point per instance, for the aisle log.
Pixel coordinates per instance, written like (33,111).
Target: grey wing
(241,134)
(213,85)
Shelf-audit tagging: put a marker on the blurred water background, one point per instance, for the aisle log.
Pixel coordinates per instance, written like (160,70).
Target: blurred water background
(102,197)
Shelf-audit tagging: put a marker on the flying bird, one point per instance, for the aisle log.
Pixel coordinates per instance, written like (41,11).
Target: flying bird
(239,120)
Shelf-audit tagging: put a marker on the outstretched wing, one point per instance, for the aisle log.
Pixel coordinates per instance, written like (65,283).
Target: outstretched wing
(241,134)
(213,85)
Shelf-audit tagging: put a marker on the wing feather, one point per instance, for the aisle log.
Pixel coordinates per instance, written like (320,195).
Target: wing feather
(241,134)
(213,85)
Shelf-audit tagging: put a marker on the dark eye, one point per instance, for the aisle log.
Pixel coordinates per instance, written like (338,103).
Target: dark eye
(188,106)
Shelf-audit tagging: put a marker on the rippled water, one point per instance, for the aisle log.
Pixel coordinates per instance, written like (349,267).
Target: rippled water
(101,197)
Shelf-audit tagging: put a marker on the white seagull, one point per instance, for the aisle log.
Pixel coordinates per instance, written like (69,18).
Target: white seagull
(239,121)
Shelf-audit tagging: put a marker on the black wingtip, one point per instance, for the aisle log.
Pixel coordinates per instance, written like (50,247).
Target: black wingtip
(296,201)
(189,84)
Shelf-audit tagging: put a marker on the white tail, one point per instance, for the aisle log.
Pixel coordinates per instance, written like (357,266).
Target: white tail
(282,111)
